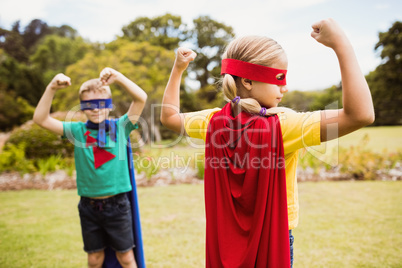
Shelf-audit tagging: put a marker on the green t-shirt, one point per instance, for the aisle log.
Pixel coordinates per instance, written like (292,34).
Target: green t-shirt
(112,177)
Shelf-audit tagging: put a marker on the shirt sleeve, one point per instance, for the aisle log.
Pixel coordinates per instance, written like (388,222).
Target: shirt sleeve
(196,123)
(125,124)
(69,130)
(300,130)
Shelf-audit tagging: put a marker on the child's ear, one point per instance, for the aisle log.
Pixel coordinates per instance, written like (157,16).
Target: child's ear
(247,83)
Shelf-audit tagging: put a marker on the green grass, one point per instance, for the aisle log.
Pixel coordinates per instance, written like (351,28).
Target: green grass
(342,224)
(380,138)
(387,138)
(349,224)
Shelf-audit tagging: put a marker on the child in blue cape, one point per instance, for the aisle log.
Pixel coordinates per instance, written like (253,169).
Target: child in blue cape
(101,160)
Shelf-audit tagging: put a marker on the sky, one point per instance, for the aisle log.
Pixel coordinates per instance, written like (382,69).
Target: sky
(311,65)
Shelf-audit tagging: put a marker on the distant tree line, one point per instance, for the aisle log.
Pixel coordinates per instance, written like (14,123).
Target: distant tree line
(30,56)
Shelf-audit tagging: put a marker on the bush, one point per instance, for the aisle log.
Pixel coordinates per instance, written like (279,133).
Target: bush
(40,143)
(145,164)
(14,110)
(13,158)
(363,164)
(357,162)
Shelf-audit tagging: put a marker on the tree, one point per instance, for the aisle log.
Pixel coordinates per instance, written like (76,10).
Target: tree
(299,101)
(166,31)
(12,43)
(304,101)
(386,81)
(21,79)
(210,39)
(22,44)
(33,32)
(54,53)
(64,31)
(13,110)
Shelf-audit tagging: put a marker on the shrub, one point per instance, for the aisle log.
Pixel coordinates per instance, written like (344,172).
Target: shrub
(12,158)
(40,143)
(146,165)
(363,164)
(356,161)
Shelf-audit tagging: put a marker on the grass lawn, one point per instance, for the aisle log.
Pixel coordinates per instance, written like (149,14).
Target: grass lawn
(379,139)
(342,224)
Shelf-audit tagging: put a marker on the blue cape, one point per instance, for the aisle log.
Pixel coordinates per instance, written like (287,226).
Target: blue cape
(110,256)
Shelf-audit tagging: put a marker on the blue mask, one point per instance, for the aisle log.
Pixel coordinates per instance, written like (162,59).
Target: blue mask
(96,104)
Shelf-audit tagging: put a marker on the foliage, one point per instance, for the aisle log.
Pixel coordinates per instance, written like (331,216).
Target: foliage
(19,79)
(303,101)
(29,58)
(146,164)
(210,39)
(166,31)
(50,164)
(20,44)
(300,101)
(55,53)
(13,110)
(146,65)
(356,161)
(329,98)
(13,158)
(363,164)
(386,81)
(13,43)
(39,143)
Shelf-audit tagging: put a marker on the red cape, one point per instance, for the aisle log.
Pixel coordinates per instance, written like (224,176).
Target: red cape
(245,192)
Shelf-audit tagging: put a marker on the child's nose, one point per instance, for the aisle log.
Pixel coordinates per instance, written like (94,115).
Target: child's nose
(284,89)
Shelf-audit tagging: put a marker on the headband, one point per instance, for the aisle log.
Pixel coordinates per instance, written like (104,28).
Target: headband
(254,72)
(96,104)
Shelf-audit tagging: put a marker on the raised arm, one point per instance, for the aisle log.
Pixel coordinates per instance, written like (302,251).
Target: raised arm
(170,114)
(42,112)
(109,76)
(358,110)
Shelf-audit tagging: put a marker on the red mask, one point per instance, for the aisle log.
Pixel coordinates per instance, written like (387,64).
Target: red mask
(254,72)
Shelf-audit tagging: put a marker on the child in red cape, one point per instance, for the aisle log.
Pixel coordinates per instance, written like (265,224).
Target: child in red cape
(252,145)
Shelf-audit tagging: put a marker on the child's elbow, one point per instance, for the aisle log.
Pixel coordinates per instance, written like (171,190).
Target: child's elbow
(164,120)
(167,122)
(366,119)
(371,118)
(36,119)
(145,97)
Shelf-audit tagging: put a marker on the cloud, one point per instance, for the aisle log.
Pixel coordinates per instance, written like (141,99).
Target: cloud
(382,6)
(12,10)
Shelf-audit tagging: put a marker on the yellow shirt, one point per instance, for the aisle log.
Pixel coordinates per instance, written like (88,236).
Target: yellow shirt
(299,130)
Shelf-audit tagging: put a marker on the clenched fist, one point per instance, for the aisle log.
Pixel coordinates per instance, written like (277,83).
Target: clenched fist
(60,81)
(329,33)
(183,57)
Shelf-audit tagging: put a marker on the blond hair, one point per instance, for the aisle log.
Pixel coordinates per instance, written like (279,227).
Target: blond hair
(257,50)
(94,85)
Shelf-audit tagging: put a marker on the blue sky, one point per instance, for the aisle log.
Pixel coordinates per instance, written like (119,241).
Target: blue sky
(311,65)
